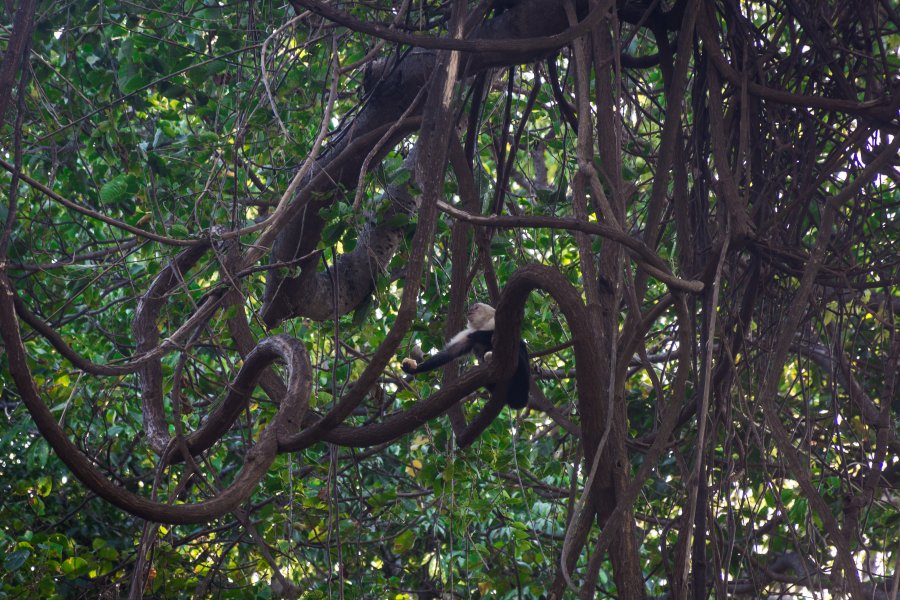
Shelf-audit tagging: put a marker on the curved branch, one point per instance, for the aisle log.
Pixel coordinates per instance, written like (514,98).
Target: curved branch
(644,256)
(509,316)
(256,462)
(431,159)
(513,45)
(392,86)
(883,108)
(146,335)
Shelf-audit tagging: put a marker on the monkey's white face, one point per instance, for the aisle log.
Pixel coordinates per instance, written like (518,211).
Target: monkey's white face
(480,316)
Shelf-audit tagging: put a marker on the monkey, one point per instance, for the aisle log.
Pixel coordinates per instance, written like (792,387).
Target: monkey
(477,339)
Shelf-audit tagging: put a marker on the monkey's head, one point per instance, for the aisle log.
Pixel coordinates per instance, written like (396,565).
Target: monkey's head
(480,316)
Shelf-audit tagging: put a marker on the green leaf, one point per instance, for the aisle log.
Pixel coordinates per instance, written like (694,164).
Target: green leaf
(134,83)
(115,190)
(333,232)
(44,486)
(178,231)
(401,177)
(404,542)
(15,560)
(399,220)
(74,566)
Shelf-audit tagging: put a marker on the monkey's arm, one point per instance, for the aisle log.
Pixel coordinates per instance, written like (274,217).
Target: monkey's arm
(452,351)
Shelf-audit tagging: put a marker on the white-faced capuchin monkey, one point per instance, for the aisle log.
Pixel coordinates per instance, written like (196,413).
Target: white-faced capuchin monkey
(477,339)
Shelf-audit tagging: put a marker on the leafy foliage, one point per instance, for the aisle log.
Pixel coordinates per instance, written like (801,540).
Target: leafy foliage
(187,120)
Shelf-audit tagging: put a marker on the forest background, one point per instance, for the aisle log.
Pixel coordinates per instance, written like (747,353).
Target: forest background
(225,224)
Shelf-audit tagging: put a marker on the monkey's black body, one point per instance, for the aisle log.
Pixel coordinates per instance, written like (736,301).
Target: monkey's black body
(479,342)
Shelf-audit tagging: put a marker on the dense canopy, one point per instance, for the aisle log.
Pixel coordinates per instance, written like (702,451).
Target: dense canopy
(224,226)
